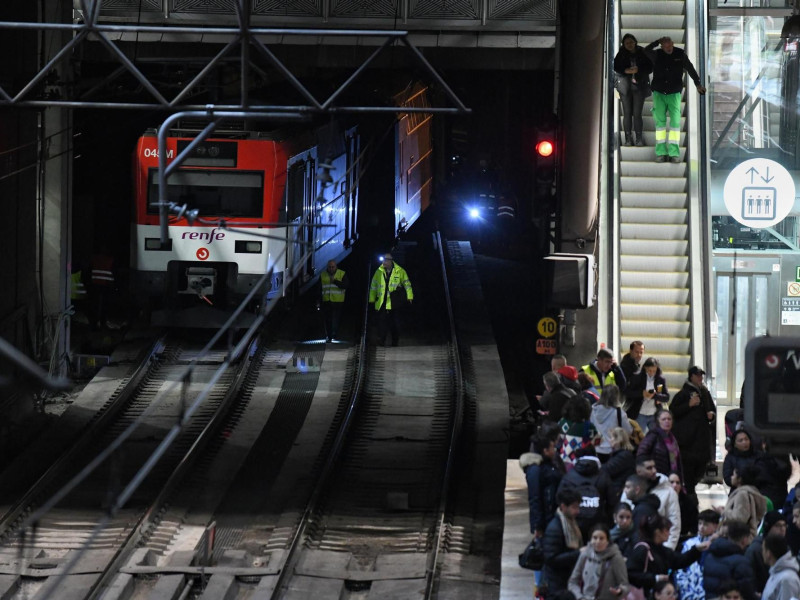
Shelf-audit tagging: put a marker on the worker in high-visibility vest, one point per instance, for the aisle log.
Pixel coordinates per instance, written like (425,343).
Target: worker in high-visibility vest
(102,286)
(334,283)
(389,290)
(604,370)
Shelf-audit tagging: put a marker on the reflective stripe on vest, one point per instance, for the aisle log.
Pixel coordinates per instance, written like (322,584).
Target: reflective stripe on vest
(330,291)
(78,289)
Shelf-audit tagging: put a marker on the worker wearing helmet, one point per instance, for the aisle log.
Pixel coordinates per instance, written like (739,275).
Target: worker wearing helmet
(389,291)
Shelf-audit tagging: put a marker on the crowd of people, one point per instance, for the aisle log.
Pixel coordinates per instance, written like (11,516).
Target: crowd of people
(612,473)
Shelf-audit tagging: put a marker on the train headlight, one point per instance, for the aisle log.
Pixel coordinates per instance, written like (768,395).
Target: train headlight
(474,213)
(247,247)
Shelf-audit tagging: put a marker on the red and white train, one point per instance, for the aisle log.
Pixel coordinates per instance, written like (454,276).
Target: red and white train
(270,185)
(265,184)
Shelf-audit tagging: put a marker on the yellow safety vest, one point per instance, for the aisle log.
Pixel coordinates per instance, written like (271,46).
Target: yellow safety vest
(78,289)
(330,291)
(609,378)
(377,289)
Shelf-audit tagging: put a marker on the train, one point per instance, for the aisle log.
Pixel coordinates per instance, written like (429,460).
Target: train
(290,203)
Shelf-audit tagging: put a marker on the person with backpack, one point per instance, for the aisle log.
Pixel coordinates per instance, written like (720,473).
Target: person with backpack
(620,465)
(600,572)
(587,480)
(607,414)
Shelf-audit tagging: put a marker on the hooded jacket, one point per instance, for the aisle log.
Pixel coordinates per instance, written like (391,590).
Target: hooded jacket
(746,504)
(587,479)
(559,560)
(543,477)
(725,561)
(784,581)
(592,566)
(569,378)
(605,418)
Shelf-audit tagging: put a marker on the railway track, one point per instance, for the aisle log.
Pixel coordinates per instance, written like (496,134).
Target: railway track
(330,481)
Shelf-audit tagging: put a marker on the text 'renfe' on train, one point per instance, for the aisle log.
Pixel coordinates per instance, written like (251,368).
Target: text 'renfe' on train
(264,183)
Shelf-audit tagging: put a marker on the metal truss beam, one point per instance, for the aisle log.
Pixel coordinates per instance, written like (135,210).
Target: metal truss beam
(244,37)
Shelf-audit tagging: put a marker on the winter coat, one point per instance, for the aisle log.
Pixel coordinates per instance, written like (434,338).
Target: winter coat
(670,508)
(746,504)
(606,418)
(623,539)
(636,387)
(553,402)
(627,364)
(646,560)
(587,479)
(654,444)
(577,439)
(543,477)
(377,289)
(691,426)
(756,560)
(623,61)
(783,582)
(620,465)
(773,473)
(595,569)
(737,460)
(646,507)
(668,69)
(725,561)
(689,514)
(558,559)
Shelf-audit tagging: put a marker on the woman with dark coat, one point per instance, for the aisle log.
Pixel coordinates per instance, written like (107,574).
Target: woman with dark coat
(693,411)
(742,453)
(646,394)
(650,561)
(620,465)
(660,443)
(632,69)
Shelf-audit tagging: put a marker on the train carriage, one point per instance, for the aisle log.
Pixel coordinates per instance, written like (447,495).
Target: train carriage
(300,191)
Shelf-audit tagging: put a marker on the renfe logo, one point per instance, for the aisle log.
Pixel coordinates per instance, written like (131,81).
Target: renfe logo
(204,235)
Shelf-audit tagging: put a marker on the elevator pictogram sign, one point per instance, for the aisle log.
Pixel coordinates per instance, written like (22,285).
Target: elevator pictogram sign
(759,193)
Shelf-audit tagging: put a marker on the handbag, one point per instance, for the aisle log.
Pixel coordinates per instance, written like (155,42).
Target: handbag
(532,557)
(637,593)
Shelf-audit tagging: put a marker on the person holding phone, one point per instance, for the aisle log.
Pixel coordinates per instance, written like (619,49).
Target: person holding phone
(694,413)
(646,394)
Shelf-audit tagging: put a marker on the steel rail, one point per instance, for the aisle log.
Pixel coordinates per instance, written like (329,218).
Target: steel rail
(455,433)
(291,554)
(149,516)
(106,415)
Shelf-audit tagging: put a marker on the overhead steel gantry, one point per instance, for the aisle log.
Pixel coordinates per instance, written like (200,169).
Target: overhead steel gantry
(244,36)
(246,39)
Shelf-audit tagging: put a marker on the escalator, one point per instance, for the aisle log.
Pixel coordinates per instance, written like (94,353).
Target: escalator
(654,250)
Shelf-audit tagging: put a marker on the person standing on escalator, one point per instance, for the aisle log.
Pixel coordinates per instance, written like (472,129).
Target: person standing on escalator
(669,63)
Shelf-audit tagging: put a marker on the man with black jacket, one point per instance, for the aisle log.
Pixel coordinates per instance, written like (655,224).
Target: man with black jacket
(669,63)
(561,543)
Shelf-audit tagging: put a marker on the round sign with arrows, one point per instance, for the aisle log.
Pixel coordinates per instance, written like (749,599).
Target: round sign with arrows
(759,193)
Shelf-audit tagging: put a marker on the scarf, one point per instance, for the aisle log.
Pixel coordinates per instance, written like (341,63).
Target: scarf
(572,533)
(672,447)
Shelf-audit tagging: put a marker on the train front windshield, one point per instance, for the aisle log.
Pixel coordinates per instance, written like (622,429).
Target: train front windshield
(213,193)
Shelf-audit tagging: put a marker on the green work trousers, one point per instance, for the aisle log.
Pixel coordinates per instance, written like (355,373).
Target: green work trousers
(667,140)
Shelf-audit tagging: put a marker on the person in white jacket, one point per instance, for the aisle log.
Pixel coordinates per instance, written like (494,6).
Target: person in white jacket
(659,485)
(784,580)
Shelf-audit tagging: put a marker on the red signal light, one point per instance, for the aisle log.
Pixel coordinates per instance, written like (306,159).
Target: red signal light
(545,148)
